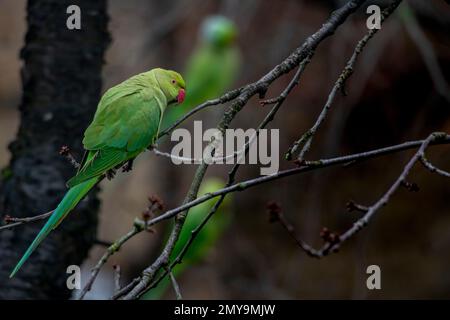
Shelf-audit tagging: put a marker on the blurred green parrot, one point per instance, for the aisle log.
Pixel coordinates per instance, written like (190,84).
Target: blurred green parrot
(212,68)
(127,121)
(205,239)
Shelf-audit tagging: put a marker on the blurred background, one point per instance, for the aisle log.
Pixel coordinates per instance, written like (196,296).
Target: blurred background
(396,94)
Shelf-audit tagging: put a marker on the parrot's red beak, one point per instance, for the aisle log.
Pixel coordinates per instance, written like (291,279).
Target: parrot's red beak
(181,96)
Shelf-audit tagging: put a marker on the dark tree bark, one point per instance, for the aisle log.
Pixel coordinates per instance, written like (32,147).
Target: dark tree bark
(61,80)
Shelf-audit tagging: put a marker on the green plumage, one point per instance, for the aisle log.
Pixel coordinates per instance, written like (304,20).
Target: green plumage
(126,122)
(70,200)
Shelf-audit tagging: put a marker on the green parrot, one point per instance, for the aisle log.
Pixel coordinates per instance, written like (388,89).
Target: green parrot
(204,241)
(126,122)
(212,68)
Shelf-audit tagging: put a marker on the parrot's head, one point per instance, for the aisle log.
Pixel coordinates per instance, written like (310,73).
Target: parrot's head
(218,31)
(172,85)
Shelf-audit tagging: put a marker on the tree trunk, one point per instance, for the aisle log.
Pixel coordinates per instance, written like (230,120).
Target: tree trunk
(61,80)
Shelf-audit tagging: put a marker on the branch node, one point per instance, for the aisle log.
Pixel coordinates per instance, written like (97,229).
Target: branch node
(65,152)
(410,186)
(353,206)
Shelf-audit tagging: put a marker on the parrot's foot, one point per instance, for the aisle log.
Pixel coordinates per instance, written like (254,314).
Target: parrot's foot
(127,167)
(110,174)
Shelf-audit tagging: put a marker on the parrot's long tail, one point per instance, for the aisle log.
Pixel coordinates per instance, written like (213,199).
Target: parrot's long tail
(70,200)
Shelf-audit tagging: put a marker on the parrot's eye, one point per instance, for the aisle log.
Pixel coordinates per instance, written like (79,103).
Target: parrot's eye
(173,81)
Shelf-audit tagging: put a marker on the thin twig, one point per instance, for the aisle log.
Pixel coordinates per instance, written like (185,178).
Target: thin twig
(223,99)
(126,289)
(337,241)
(137,228)
(353,206)
(306,139)
(116,278)
(175,285)
(432,168)
(14,222)
(65,152)
(305,167)
(155,205)
(294,82)
(102,243)
(291,231)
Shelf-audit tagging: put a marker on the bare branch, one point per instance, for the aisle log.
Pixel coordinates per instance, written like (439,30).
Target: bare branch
(175,285)
(155,204)
(334,242)
(116,278)
(12,222)
(102,243)
(339,85)
(353,206)
(276,215)
(223,99)
(65,152)
(304,167)
(126,289)
(294,82)
(432,168)
(137,228)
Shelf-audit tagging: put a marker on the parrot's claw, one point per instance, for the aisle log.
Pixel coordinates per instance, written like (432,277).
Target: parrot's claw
(110,174)
(127,167)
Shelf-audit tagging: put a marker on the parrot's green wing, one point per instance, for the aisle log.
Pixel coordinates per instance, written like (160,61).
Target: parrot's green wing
(102,161)
(129,122)
(121,129)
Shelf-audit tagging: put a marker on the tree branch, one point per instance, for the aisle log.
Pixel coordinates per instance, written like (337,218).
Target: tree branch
(334,241)
(175,285)
(12,222)
(155,204)
(432,168)
(305,167)
(137,228)
(307,137)
(116,278)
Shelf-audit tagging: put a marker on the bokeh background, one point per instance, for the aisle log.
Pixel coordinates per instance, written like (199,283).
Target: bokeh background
(391,98)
